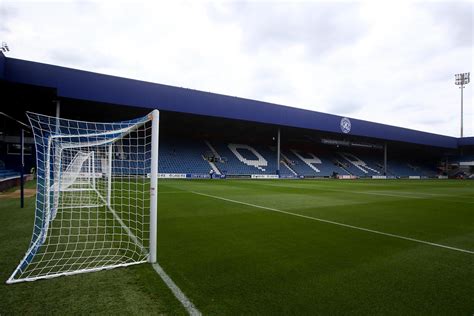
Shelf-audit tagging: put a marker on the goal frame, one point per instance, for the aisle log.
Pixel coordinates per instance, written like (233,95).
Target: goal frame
(49,216)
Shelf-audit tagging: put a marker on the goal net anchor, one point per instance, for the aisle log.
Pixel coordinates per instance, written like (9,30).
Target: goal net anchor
(96,201)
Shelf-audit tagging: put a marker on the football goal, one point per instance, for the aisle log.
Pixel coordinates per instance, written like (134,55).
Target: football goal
(96,201)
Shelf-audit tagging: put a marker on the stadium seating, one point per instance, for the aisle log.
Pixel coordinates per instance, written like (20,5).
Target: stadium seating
(183,156)
(358,165)
(424,169)
(243,159)
(6,173)
(401,169)
(464,158)
(187,156)
(309,164)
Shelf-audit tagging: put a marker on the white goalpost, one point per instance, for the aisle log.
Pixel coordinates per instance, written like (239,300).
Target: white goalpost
(97,199)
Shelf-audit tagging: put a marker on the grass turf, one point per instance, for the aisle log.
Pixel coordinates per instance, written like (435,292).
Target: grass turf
(230,258)
(136,290)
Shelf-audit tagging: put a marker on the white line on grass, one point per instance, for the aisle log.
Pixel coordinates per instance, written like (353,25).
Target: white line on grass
(381,193)
(336,223)
(171,192)
(454,200)
(188,305)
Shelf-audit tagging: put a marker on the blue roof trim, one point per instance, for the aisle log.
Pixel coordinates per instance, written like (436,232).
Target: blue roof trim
(2,65)
(78,84)
(466,141)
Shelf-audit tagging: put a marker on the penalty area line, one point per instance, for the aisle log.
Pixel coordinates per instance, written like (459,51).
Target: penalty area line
(336,223)
(187,304)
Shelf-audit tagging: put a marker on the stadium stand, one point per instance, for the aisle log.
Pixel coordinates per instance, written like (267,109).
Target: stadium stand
(323,148)
(424,169)
(372,162)
(357,166)
(186,156)
(308,164)
(243,159)
(198,157)
(183,156)
(401,169)
(465,158)
(8,177)
(8,173)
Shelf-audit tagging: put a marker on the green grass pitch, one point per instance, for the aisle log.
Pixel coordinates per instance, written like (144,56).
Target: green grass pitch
(253,247)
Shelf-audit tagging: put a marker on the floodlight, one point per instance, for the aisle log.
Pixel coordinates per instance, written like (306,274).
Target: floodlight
(461,80)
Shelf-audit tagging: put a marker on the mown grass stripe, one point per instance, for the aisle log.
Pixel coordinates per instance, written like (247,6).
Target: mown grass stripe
(374,193)
(337,223)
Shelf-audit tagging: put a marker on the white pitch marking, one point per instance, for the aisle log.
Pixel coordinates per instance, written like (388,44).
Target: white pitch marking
(188,305)
(336,223)
(403,195)
(400,195)
(171,192)
(381,193)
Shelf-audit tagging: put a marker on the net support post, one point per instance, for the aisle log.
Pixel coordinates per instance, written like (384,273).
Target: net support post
(278,153)
(155,116)
(109,177)
(22,169)
(93,170)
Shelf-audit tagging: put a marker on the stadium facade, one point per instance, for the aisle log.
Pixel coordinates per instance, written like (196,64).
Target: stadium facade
(202,131)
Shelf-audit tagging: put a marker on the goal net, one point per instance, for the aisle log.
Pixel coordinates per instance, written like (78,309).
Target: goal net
(96,196)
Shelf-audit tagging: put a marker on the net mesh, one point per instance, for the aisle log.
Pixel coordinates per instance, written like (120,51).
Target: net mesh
(93,196)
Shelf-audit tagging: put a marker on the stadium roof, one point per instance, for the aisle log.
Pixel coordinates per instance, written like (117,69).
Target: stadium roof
(90,86)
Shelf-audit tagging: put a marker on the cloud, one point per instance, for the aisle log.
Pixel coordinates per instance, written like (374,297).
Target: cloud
(6,14)
(456,17)
(82,57)
(347,107)
(317,26)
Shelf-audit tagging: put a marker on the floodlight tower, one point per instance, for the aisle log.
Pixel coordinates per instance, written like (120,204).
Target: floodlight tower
(461,80)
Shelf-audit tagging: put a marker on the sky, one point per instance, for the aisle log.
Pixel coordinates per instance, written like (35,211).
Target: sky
(391,62)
